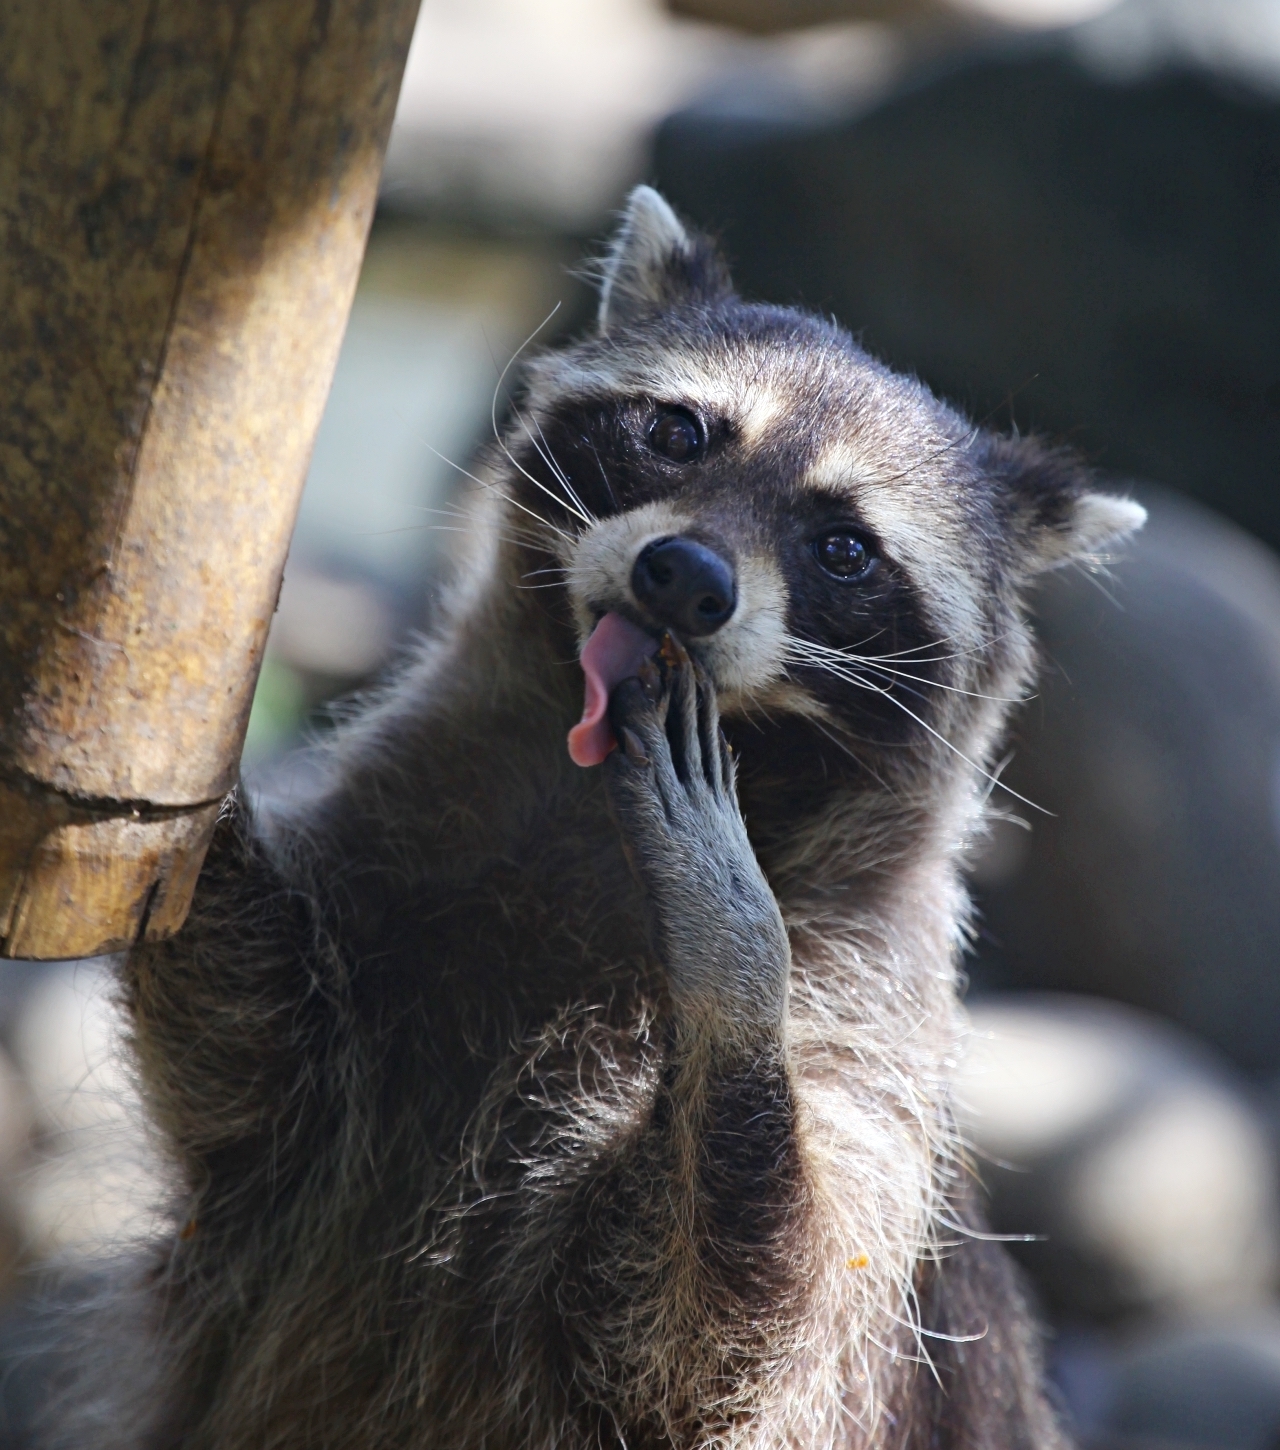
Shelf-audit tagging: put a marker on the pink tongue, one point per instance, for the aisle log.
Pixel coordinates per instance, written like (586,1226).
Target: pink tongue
(614,653)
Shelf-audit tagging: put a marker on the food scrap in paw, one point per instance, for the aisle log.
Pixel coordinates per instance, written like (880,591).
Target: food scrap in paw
(672,652)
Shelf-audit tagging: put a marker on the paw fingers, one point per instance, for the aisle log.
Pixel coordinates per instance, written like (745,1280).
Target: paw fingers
(671,750)
(682,709)
(639,771)
(708,712)
(633,747)
(635,717)
(728,771)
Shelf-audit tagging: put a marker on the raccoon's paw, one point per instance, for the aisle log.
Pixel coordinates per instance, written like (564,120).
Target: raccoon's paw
(714,921)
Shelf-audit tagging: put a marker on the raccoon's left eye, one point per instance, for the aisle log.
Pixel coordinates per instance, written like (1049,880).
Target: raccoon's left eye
(676,435)
(843,554)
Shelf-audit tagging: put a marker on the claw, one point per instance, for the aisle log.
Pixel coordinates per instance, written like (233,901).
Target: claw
(634,747)
(650,678)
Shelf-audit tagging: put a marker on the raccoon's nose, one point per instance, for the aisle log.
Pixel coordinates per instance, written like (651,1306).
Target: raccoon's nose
(684,585)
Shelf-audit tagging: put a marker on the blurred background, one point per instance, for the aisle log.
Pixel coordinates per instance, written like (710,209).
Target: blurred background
(1065,216)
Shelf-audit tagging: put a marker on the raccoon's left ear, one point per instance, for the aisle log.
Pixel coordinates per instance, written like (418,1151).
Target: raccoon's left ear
(654,263)
(1058,514)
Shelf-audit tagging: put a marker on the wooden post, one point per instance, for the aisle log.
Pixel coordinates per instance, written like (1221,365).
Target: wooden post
(186,188)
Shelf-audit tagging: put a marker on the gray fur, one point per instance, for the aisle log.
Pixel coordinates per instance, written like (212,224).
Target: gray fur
(716,926)
(518,1106)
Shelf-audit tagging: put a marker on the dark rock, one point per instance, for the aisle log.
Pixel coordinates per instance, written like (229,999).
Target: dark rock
(1212,1384)
(1154,746)
(1096,259)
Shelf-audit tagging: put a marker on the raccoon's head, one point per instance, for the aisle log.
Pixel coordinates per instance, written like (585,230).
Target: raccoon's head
(843,553)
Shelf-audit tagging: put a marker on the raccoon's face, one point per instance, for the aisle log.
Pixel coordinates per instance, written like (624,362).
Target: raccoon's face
(828,540)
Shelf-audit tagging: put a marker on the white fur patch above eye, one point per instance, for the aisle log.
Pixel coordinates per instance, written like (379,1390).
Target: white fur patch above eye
(754,411)
(840,466)
(707,385)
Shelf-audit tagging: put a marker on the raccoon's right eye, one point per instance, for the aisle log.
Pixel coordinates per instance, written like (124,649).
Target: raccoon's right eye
(844,555)
(676,435)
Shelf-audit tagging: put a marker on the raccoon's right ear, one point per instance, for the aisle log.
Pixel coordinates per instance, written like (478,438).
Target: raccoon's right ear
(1057,513)
(654,262)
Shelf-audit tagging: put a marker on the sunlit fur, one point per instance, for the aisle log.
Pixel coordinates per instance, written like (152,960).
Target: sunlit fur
(450,1158)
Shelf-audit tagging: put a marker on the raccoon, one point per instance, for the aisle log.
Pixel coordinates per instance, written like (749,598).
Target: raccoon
(581,1085)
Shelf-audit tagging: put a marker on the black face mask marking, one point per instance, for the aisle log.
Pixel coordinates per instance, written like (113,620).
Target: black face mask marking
(615,454)
(857,642)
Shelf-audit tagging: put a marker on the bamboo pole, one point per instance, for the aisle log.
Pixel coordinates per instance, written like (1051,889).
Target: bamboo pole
(186,188)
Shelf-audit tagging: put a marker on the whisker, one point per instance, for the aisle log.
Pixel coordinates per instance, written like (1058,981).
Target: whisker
(1094,576)
(502,494)
(515,540)
(940,685)
(886,693)
(513,532)
(932,644)
(612,496)
(537,482)
(575,507)
(877,635)
(968,438)
(901,1356)
(998,770)
(413,529)
(857,760)
(561,473)
(851,651)
(916,1328)
(930,457)
(820,655)
(493,420)
(842,673)
(973,765)
(435,529)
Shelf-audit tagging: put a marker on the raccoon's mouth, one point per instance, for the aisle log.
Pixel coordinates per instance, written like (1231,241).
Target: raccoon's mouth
(614,652)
